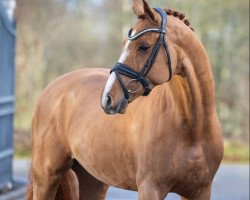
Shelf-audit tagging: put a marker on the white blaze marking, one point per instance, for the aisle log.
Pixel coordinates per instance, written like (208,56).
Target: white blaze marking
(107,88)
(125,52)
(112,76)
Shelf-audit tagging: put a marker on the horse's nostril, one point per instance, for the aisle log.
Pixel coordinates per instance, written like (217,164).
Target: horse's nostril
(109,101)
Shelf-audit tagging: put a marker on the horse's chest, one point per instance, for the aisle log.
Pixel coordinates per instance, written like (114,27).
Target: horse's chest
(194,167)
(197,171)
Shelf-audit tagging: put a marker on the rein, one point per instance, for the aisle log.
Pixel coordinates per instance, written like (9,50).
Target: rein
(123,69)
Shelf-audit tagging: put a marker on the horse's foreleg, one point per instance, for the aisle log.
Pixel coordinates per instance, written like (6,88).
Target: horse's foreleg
(50,161)
(46,187)
(202,194)
(148,190)
(47,178)
(89,187)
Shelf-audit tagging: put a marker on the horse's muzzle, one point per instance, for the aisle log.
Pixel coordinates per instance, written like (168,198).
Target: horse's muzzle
(112,108)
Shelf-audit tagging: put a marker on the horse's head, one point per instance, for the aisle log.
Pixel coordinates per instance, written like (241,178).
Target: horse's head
(144,62)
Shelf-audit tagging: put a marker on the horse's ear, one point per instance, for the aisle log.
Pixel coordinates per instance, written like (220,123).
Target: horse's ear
(143,10)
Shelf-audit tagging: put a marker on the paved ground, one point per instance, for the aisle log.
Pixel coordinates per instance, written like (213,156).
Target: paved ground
(230,183)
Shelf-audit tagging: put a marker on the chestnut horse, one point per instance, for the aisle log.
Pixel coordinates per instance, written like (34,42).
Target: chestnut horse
(169,141)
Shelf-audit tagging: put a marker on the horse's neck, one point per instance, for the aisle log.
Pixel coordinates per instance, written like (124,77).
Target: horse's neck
(197,96)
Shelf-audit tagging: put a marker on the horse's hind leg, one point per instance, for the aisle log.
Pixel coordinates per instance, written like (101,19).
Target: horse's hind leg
(89,187)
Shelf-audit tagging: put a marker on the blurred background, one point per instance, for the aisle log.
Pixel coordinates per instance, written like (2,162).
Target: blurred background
(58,36)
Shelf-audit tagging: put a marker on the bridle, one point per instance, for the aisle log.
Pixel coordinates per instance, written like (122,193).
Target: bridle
(123,69)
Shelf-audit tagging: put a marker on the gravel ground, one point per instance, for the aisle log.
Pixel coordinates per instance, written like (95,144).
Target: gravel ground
(231,183)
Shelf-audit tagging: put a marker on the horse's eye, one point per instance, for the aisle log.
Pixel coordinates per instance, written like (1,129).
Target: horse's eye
(143,48)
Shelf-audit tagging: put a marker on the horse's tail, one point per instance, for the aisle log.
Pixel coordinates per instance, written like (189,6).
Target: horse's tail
(68,189)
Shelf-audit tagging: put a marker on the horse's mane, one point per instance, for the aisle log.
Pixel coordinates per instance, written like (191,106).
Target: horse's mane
(179,15)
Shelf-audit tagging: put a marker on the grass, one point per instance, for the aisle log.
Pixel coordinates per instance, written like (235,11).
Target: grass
(236,152)
(22,153)
(22,144)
